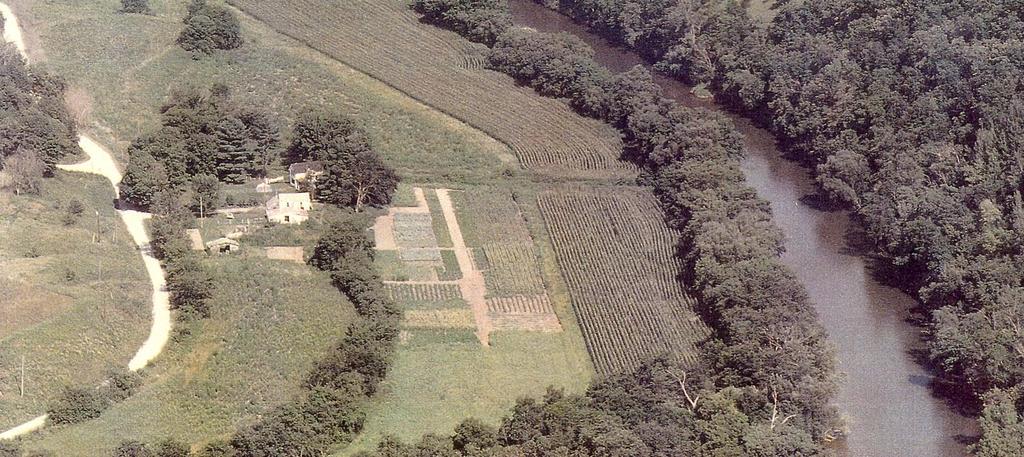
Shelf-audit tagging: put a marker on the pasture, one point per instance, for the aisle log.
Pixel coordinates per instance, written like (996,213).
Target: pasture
(271,320)
(74,298)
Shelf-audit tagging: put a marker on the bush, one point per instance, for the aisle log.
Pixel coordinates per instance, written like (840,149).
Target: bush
(73,210)
(77,404)
(135,6)
(9,449)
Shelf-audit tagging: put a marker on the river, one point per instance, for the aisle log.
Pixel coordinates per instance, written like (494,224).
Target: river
(884,397)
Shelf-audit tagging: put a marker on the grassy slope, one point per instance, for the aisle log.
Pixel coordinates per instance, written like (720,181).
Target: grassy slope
(128,64)
(271,321)
(89,301)
(425,145)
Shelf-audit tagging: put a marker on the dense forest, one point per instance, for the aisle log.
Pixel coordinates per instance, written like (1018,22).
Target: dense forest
(765,381)
(910,115)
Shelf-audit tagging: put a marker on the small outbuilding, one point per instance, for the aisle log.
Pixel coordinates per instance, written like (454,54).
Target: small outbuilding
(223,245)
(289,208)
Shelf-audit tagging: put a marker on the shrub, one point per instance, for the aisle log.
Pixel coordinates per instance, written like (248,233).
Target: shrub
(73,210)
(77,404)
(135,6)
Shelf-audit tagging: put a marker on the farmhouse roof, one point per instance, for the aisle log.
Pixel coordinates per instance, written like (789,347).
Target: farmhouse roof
(305,167)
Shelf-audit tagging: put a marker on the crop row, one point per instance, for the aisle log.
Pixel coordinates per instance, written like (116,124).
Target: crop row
(423,292)
(383,39)
(616,255)
(513,270)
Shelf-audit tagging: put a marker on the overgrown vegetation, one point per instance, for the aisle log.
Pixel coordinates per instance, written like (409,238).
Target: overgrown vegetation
(759,313)
(910,114)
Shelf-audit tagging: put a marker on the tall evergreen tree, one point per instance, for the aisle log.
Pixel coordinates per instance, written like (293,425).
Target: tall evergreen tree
(233,155)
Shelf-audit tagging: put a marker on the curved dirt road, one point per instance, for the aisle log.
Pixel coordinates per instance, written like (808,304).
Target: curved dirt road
(12,31)
(100,162)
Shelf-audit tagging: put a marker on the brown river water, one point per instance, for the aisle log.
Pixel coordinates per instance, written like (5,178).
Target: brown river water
(885,398)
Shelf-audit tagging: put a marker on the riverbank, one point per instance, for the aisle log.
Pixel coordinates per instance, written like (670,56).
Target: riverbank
(885,397)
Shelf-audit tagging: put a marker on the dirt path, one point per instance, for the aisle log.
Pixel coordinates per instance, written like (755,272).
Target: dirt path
(472,285)
(102,163)
(12,31)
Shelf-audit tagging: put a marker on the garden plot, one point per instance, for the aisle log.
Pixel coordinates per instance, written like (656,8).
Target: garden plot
(504,251)
(494,284)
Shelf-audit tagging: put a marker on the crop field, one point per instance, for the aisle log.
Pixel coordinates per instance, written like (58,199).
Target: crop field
(616,255)
(384,39)
(271,321)
(72,307)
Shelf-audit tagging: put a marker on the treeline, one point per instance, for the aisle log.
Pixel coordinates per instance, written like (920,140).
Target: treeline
(768,367)
(481,21)
(910,113)
(36,128)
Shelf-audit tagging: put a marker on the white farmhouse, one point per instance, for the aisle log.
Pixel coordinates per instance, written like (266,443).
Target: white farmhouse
(289,208)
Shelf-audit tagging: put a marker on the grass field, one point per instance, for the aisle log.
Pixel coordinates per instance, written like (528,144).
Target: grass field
(385,39)
(480,382)
(271,320)
(73,308)
(616,254)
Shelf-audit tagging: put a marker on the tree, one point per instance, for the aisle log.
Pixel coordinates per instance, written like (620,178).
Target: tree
(342,236)
(143,179)
(209,28)
(233,155)
(191,287)
(1002,430)
(135,6)
(362,180)
(206,194)
(323,135)
(23,172)
(264,131)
